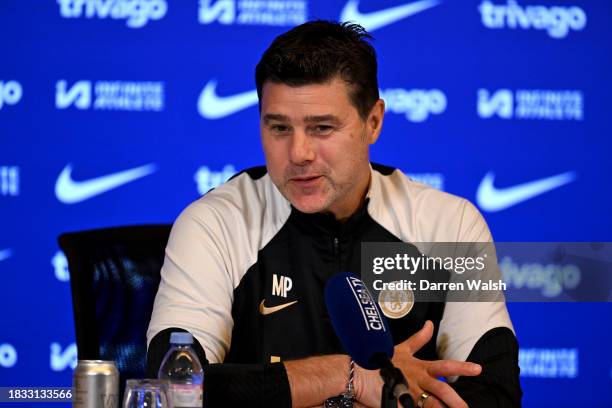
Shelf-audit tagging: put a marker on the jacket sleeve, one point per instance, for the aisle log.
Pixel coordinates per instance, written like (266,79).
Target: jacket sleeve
(481,331)
(498,385)
(196,288)
(209,248)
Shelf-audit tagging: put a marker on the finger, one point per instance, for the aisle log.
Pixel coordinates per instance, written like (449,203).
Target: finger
(430,402)
(447,368)
(444,392)
(420,338)
(433,402)
(415,393)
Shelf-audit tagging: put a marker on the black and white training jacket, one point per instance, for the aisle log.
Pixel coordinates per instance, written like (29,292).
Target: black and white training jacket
(242,249)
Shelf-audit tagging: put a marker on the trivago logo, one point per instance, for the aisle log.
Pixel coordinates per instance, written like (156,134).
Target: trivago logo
(556,20)
(550,279)
(207,179)
(415,104)
(10,93)
(60,267)
(8,355)
(137,13)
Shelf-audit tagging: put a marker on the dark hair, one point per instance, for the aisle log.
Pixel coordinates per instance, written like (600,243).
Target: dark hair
(316,52)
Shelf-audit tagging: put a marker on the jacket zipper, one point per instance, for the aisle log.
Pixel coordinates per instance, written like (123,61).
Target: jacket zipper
(337,253)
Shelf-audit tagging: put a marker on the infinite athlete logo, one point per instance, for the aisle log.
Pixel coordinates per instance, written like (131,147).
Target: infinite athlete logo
(111,95)
(79,94)
(260,12)
(9,181)
(374,20)
(531,104)
(212,106)
(62,359)
(69,191)
(492,199)
(10,93)
(549,363)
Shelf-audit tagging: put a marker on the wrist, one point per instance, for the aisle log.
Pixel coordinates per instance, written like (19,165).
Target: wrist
(368,386)
(313,379)
(359,382)
(347,397)
(346,378)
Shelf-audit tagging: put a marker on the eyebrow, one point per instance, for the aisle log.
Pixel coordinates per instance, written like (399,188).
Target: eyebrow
(321,118)
(269,117)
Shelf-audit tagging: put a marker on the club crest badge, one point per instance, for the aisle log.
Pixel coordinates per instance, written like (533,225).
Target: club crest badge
(396,304)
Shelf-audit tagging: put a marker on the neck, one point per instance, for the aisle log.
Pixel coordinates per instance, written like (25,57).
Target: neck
(355,200)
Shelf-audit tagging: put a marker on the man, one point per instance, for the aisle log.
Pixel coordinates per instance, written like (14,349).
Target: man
(247,263)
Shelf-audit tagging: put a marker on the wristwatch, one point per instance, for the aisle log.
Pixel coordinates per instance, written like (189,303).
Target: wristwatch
(346,399)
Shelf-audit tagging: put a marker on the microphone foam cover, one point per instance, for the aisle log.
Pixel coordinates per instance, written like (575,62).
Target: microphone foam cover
(357,320)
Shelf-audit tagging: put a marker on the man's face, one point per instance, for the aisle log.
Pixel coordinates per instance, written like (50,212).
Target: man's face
(316,145)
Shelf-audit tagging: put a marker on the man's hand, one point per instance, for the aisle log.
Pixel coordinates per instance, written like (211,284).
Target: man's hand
(421,375)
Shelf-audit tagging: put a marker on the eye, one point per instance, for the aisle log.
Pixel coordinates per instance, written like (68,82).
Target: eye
(280,129)
(323,129)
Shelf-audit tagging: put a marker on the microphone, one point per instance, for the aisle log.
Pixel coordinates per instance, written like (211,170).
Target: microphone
(358,323)
(364,333)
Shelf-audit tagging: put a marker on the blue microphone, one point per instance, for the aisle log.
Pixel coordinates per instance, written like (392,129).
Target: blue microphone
(361,327)
(364,334)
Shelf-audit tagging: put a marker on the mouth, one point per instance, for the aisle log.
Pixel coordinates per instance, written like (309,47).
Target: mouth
(305,181)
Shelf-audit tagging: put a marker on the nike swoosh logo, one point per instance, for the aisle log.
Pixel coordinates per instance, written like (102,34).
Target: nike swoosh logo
(269,310)
(493,199)
(5,254)
(212,106)
(378,19)
(69,191)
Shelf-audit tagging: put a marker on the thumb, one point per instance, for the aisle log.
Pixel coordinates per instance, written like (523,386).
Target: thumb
(420,338)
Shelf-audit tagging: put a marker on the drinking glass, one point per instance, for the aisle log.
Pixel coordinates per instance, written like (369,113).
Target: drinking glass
(146,394)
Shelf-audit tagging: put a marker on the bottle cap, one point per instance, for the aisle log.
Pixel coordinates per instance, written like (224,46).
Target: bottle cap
(181,338)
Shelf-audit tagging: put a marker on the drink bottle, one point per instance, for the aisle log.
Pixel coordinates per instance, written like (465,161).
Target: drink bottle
(182,368)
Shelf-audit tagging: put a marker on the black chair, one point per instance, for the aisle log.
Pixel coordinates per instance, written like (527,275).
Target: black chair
(114,276)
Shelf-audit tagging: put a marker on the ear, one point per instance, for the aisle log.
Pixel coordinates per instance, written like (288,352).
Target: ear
(375,121)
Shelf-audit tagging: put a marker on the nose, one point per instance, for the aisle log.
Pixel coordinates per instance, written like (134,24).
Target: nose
(301,150)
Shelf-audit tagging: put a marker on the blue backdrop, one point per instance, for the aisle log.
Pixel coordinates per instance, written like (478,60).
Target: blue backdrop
(117,112)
